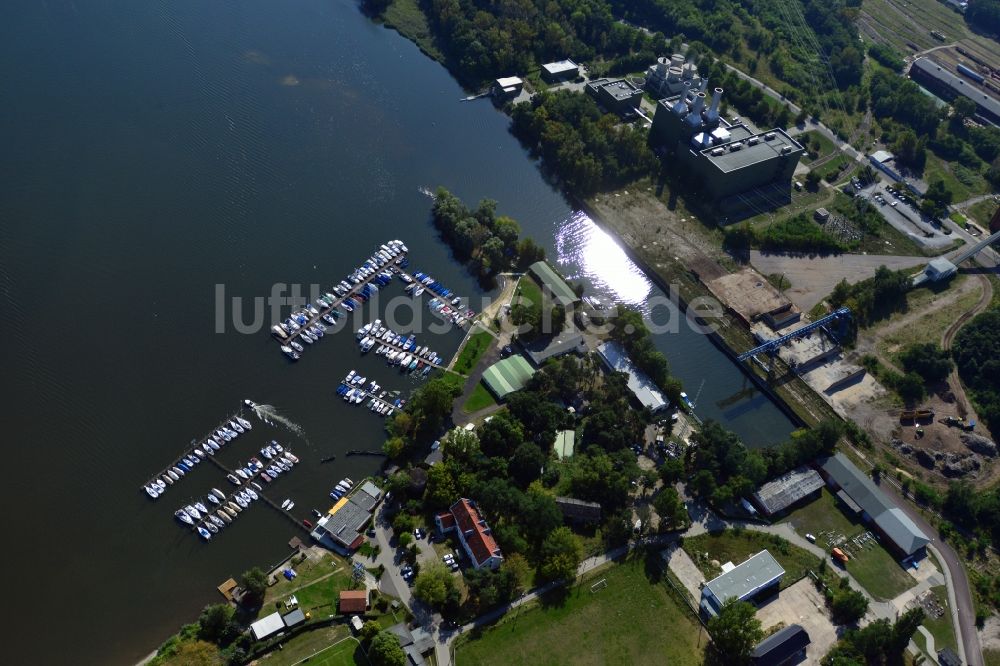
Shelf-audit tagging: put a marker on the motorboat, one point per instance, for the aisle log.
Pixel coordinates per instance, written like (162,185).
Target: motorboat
(347,481)
(204,534)
(264,452)
(236,426)
(201,507)
(288,454)
(240,502)
(218,493)
(193,512)
(340,487)
(215,520)
(286,461)
(283,467)
(183,517)
(212,498)
(182,466)
(232,478)
(253,494)
(215,442)
(225,516)
(207,448)
(160,485)
(285,504)
(166,477)
(198,452)
(222,433)
(152,492)
(277,447)
(231,509)
(242,474)
(264,475)
(256,486)
(211,527)
(178,471)
(291,505)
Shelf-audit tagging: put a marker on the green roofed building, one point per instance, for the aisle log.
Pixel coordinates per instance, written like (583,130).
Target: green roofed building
(507,376)
(560,292)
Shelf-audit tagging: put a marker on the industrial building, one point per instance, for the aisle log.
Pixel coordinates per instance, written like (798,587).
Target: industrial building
(568,341)
(641,386)
(941,81)
(507,376)
(757,577)
(940,269)
(729,158)
(561,70)
(787,490)
(669,75)
(615,95)
(473,533)
(859,495)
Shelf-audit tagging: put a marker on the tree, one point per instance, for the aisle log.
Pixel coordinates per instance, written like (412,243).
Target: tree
(526,464)
(962,107)
(927,360)
(937,199)
(405,539)
(196,653)
(561,554)
(736,630)
(672,470)
(369,630)
(215,624)
(519,572)
(434,585)
(385,650)
(669,507)
(848,605)
(254,583)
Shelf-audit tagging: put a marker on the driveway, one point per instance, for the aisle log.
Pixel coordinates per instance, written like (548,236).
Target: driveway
(802,604)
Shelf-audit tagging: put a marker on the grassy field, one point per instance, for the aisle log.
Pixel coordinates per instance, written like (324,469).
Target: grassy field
(334,645)
(873,567)
(930,326)
(316,587)
(474,348)
(898,22)
(991,657)
(941,628)
(409,20)
(736,546)
(480,398)
(815,142)
(939,169)
(529,291)
(635,619)
(982,211)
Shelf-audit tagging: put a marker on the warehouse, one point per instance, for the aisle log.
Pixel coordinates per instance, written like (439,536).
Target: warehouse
(860,495)
(615,95)
(561,70)
(507,376)
(553,285)
(641,386)
(948,85)
(757,577)
(787,490)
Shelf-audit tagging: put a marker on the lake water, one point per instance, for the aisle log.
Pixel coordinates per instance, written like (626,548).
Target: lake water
(153,150)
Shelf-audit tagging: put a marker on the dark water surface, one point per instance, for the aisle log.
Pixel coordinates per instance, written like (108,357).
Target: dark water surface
(152,150)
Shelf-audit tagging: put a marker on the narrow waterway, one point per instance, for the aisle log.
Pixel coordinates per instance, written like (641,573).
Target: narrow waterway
(158,154)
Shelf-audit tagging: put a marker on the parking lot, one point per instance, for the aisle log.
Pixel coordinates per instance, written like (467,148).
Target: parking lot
(804,605)
(901,211)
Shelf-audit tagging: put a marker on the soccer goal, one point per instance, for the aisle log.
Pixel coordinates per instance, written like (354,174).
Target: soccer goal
(599,585)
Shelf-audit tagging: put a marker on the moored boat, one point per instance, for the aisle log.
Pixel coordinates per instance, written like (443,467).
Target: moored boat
(204,534)
(183,517)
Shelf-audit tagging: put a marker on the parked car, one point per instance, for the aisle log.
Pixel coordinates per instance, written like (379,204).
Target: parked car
(418,533)
(811,537)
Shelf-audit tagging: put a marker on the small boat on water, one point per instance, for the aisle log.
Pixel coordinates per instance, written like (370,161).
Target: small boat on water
(204,534)
(218,493)
(152,492)
(233,479)
(193,512)
(236,426)
(200,453)
(264,475)
(264,452)
(168,479)
(212,498)
(253,494)
(223,434)
(348,482)
(240,502)
(225,516)
(178,471)
(183,517)
(288,454)
(211,527)
(242,474)
(231,512)
(277,447)
(256,486)
(214,443)
(291,505)
(307,523)
(160,485)
(201,507)
(243,422)
(216,520)
(285,504)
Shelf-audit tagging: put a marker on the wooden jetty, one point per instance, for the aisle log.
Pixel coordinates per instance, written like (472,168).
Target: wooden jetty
(463,321)
(399,348)
(388,266)
(190,450)
(262,494)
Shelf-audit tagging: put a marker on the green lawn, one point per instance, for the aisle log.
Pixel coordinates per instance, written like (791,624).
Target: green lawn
(480,398)
(982,211)
(736,546)
(873,567)
(317,586)
(941,628)
(815,142)
(529,290)
(939,169)
(474,348)
(334,645)
(991,657)
(633,620)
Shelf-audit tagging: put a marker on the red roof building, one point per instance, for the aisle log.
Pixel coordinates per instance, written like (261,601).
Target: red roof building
(353,601)
(464,518)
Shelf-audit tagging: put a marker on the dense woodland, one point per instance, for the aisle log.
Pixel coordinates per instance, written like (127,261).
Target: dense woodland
(486,242)
(976,351)
(984,16)
(587,149)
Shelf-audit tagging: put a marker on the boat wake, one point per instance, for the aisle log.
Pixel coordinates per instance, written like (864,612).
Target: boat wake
(426,192)
(270,415)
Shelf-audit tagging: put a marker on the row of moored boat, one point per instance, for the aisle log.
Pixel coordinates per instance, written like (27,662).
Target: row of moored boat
(355,389)
(445,302)
(208,520)
(306,325)
(342,488)
(398,349)
(226,433)
(278,461)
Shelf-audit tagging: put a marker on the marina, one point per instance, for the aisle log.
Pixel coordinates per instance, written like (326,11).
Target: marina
(355,389)
(225,432)
(397,348)
(444,303)
(309,324)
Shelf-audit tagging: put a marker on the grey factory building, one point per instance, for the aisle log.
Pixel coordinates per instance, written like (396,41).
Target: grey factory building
(948,85)
(667,77)
(729,158)
(615,95)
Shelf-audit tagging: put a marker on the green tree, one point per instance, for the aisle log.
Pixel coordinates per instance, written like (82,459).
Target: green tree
(848,605)
(369,630)
(735,631)
(561,554)
(927,360)
(385,650)
(519,571)
(669,507)
(254,583)
(196,653)
(215,624)
(434,585)
(526,464)
(440,491)
(405,539)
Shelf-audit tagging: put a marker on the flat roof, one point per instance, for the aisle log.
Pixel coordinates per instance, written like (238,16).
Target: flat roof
(780,646)
(559,290)
(784,491)
(560,66)
(620,89)
(881,156)
(508,375)
(344,522)
(959,85)
(267,626)
(565,443)
(748,155)
(294,618)
(642,387)
(509,81)
(755,573)
(568,341)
